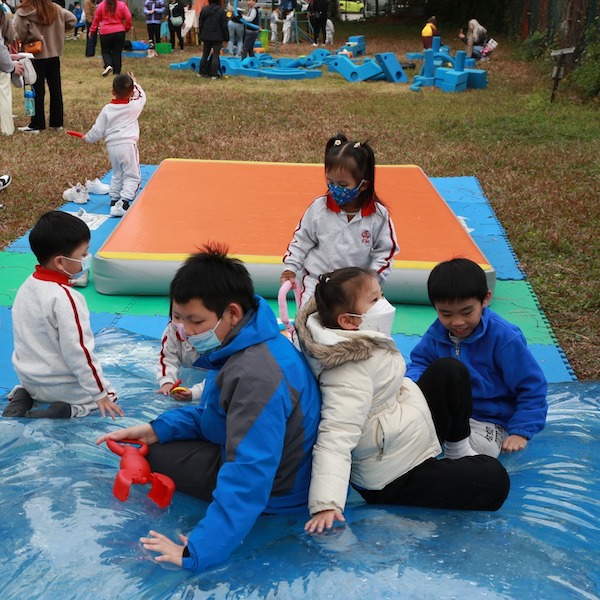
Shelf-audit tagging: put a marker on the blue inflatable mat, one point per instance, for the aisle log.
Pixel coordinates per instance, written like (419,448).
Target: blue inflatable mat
(64,535)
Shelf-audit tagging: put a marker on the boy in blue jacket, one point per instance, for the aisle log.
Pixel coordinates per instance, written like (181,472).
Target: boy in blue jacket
(247,447)
(509,387)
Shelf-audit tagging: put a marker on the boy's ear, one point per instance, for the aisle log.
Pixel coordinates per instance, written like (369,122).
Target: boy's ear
(345,321)
(235,312)
(487,299)
(55,263)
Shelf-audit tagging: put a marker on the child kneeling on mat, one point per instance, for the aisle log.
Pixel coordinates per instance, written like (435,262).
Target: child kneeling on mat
(118,124)
(380,431)
(509,387)
(54,344)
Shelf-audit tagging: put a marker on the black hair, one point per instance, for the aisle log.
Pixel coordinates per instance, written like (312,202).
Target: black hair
(57,233)
(355,157)
(455,280)
(337,291)
(122,85)
(214,278)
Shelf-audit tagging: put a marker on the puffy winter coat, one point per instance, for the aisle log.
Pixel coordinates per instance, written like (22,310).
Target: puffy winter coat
(375,424)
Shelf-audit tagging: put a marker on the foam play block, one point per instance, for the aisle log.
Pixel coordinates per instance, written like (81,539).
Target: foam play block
(477,78)
(353,72)
(455,77)
(452,87)
(391,68)
(141,255)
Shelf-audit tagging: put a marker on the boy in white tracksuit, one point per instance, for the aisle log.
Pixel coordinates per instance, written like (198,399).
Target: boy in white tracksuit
(118,124)
(53,341)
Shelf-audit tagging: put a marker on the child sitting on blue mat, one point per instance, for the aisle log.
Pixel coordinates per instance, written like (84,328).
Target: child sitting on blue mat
(176,351)
(54,344)
(509,387)
(348,226)
(380,431)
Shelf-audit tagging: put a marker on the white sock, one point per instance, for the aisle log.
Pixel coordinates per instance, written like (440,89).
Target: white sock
(459,449)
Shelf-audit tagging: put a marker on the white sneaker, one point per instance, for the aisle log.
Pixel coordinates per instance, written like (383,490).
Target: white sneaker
(97,187)
(107,71)
(28,129)
(77,194)
(5,181)
(117,209)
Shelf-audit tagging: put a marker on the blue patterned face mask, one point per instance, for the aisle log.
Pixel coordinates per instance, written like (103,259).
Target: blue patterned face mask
(342,195)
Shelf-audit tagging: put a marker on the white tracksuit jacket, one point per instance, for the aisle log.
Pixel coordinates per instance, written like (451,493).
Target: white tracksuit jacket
(325,240)
(54,344)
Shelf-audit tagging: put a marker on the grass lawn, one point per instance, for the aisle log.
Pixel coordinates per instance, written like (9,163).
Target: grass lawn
(537,162)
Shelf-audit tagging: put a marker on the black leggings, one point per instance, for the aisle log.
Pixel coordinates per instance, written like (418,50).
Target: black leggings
(470,483)
(112,48)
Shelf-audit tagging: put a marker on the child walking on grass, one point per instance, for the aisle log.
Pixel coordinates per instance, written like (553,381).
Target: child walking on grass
(118,124)
(348,226)
(380,431)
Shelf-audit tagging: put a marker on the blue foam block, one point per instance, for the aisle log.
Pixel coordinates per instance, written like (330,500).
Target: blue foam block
(457,78)
(352,72)
(391,68)
(451,87)
(192,63)
(290,74)
(477,78)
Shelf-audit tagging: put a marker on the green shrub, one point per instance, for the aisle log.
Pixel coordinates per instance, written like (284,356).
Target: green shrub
(586,75)
(534,46)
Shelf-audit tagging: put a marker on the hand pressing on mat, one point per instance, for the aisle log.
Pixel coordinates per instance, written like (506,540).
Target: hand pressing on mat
(168,550)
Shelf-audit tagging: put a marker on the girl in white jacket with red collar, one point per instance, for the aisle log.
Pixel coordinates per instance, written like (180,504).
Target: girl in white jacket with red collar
(380,431)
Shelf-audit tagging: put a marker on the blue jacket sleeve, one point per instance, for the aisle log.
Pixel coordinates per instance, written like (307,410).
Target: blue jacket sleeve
(422,355)
(526,380)
(245,479)
(184,423)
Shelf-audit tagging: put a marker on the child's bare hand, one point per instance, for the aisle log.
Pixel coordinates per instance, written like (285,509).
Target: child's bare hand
(287,275)
(130,73)
(514,443)
(182,395)
(143,433)
(106,405)
(323,520)
(165,389)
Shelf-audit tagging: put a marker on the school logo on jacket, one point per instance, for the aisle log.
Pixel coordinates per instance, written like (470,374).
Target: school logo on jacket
(365,237)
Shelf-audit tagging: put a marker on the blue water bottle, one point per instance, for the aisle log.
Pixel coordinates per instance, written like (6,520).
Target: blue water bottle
(29,102)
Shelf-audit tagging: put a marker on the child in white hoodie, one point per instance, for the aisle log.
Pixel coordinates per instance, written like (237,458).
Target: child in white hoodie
(380,431)
(118,124)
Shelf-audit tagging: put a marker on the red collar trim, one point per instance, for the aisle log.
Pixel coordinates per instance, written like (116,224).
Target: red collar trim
(368,209)
(120,101)
(44,274)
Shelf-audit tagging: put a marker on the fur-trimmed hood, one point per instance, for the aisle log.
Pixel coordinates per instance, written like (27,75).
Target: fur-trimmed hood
(331,348)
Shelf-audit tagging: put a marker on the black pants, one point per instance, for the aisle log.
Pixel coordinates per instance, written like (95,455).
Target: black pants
(470,483)
(48,71)
(215,63)
(173,31)
(153,33)
(193,465)
(250,36)
(318,24)
(90,42)
(112,47)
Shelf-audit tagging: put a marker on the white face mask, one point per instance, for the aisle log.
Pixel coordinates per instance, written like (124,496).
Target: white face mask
(86,263)
(380,317)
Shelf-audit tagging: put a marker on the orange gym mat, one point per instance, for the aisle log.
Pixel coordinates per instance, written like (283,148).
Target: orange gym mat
(253,208)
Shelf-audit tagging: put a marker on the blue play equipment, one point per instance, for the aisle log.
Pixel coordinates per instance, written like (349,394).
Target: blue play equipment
(456,78)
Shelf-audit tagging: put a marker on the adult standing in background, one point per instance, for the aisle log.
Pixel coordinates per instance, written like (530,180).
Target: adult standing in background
(113,19)
(89,8)
(154,9)
(176,20)
(252,27)
(317,10)
(212,27)
(7,34)
(46,21)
